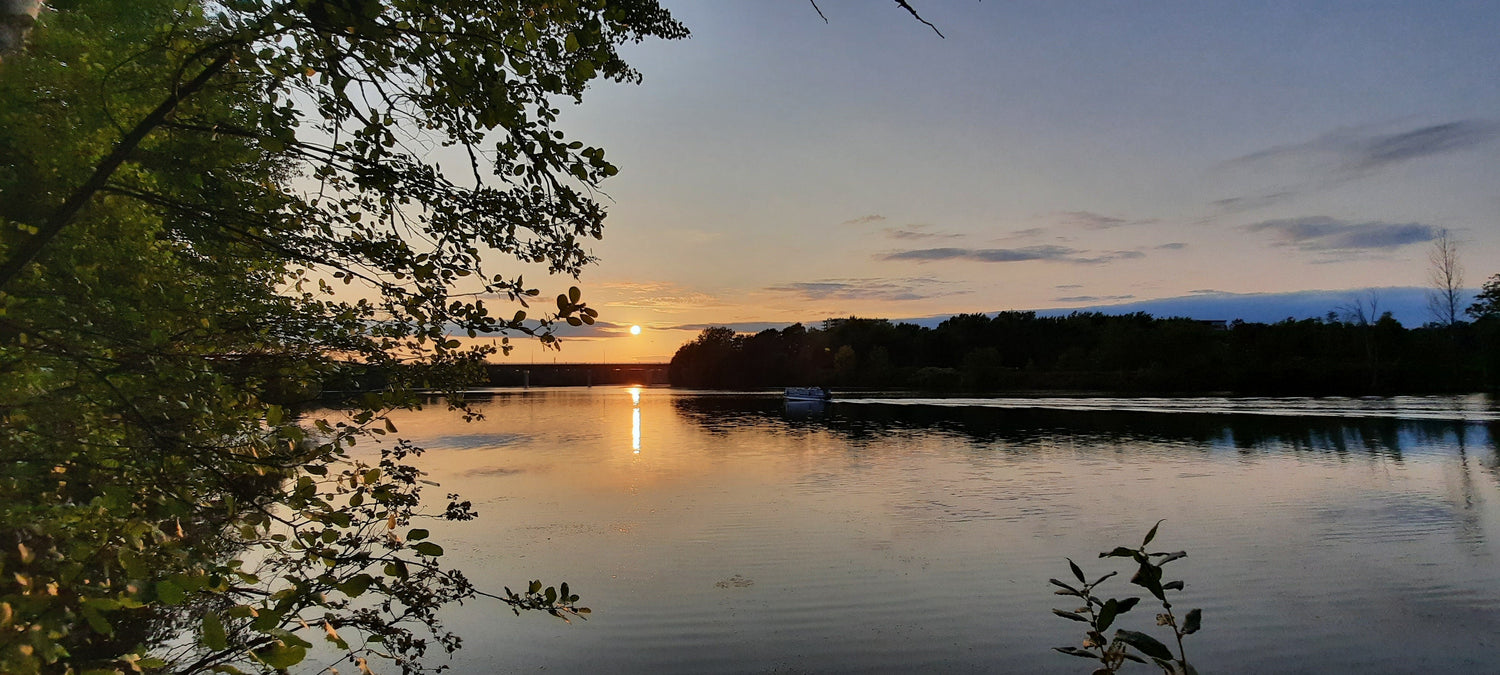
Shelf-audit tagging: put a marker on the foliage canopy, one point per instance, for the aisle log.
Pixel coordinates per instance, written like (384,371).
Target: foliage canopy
(183,186)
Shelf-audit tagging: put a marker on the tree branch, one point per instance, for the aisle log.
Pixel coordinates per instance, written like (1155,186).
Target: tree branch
(903,4)
(32,247)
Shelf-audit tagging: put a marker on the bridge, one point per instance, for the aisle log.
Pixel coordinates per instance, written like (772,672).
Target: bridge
(575,374)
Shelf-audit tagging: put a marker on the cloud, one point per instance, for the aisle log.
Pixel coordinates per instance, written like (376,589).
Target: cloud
(1094,221)
(984,254)
(1093,298)
(1252,202)
(1028,233)
(599,329)
(1110,256)
(1437,139)
(919,288)
(864,220)
(1171,246)
(738,327)
(1064,287)
(1361,151)
(1006,255)
(918,232)
(1322,234)
(658,296)
(1345,155)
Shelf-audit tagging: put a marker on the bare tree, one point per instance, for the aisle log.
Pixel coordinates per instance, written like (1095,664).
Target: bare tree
(1446,276)
(1361,310)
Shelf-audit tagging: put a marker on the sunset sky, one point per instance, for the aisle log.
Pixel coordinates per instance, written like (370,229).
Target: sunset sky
(777,168)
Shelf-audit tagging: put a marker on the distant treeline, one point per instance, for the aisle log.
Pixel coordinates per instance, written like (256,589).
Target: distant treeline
(1015,351)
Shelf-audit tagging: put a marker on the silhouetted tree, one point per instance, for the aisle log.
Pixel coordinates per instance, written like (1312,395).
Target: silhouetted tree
(1446,275)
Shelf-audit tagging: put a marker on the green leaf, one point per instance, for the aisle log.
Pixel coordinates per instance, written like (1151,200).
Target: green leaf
(428,548)
(1077,572)
(96,621)
(1145,643)
(1193,621)
(1055,582)
(1071,615)
(1152,534)
(214,636)
(281,655)
(1074,651)
(1118,552)
(416,534)
(356,585)
(134,566)
(574,295)
(1149,578)
(1107,614)
(169,593)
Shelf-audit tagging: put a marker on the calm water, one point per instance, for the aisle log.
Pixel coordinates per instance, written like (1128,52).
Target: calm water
(717,532)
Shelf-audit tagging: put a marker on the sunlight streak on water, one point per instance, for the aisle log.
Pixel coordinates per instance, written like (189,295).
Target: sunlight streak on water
(635,419)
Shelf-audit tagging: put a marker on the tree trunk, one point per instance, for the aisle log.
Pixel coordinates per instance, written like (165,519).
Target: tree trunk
(16,19)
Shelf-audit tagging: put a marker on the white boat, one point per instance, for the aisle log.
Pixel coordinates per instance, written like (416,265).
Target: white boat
(807,394)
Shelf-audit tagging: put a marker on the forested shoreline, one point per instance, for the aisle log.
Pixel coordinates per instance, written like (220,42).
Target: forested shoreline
(1131,353)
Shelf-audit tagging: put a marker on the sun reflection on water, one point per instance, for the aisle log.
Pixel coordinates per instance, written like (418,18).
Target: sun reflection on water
(635,420)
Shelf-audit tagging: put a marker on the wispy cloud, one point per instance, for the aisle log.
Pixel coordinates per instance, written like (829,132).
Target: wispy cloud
(1252,202)
(1321,234)
(1065,287)
(1345,155)
(918,232)
(1028,233)
(990,255)
(738,327)
(864,220)
(1109,256)
(919,288)
(1171,246)
(1008,255)
(1093,298)
(1360,151)
(1095,221)
(658,296)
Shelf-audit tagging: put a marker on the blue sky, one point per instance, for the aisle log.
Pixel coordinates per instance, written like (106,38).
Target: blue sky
(778,168)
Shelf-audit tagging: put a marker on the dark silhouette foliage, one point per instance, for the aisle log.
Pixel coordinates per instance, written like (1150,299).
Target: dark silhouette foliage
(1021,351)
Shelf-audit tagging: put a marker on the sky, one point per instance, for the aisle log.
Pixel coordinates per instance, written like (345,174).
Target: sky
(1041,155)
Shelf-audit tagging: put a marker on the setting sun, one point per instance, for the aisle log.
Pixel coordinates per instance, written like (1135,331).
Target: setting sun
(635,330)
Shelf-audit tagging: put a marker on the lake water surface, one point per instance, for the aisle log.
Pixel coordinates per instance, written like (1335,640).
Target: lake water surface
(733,532)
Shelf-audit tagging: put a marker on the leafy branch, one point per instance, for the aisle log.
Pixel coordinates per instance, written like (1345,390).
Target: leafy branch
(1100,614)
